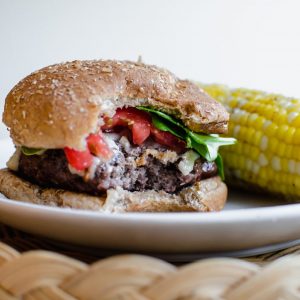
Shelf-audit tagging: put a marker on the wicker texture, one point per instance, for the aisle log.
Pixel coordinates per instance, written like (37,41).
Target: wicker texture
(43,275)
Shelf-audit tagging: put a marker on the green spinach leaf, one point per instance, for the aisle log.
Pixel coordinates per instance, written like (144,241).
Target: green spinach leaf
(206,145)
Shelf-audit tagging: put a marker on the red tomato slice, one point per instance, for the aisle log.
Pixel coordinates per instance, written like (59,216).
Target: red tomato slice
(168,139)
(140,132)
(138,121)
(98,146)
(79,160)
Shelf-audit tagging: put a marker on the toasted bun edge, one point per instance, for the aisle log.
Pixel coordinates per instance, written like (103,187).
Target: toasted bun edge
(204,196)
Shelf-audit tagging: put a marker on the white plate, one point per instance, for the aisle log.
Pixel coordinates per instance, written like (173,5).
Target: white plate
(249,221)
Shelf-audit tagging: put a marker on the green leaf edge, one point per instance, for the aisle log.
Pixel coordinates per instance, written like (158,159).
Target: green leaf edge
(32,151)
(206,145)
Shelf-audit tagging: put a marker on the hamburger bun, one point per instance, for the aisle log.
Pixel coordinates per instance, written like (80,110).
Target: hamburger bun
(60,105)
(204,196)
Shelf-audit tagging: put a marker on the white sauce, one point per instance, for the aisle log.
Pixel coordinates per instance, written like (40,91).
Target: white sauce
(13,163)
(92,169)
(107,108)
(110,139)
(125,143)
(111,135)
(74,171)
(186,165)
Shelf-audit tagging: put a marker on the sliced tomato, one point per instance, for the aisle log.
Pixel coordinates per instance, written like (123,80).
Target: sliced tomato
(98,146)
(138,121)
(168,139)
(79,160)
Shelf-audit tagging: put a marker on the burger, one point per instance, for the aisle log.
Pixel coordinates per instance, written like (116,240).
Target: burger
(114,136)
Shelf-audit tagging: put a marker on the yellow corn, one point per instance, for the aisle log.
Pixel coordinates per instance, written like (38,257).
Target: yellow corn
(267,127)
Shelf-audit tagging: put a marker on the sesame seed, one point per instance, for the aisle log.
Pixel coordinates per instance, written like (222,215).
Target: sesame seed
(106,70)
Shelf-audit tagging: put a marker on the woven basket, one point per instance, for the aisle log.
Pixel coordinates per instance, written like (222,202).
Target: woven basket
(45,275)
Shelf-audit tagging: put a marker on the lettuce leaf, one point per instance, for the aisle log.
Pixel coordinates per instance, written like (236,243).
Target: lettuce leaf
(219,163)
(32,151)
(206,145)
(161,124)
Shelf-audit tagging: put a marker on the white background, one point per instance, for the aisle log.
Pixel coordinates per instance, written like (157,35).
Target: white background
(248,43)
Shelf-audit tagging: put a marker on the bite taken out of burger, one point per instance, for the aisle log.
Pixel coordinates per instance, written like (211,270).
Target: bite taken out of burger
(114,136)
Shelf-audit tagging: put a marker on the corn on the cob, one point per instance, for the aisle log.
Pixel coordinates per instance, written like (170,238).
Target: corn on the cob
(267,127)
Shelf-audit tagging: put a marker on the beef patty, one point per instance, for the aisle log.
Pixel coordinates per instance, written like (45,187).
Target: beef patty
(125,170)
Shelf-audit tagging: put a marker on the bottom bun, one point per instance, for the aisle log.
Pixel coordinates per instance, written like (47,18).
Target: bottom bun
(205,195)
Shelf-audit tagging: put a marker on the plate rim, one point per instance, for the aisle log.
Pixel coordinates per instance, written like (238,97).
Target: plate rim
(270,213)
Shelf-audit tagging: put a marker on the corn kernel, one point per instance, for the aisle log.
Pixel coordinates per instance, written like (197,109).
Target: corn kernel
(294,118)
(262,159)
(267,127)
(273,145)
(271,130)
(257,138)
(264,143)
(280,118)
(259,122)
(296,139)
(280,151)
(291,166)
